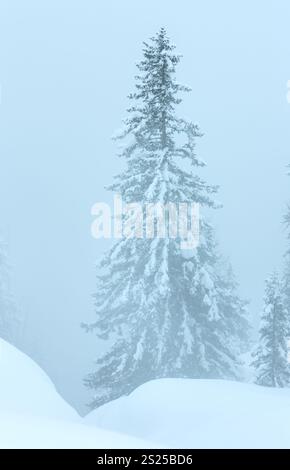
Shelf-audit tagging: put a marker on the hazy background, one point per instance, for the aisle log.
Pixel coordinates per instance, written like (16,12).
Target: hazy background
(66,68)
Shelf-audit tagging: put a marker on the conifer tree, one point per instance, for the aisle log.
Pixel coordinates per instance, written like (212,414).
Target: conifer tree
(271,356)
(166,313)
(286,276)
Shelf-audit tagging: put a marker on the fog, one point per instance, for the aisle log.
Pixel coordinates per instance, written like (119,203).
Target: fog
(66,68)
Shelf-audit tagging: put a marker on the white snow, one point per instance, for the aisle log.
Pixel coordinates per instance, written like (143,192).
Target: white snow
(25,388)
(169,413)
(33,415)
(201,414)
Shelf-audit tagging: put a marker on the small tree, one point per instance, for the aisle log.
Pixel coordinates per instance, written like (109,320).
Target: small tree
(286,277)
(271,362)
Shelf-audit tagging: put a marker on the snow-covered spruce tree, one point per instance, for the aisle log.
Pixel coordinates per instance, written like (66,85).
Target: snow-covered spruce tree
(271,362)
(166,314)
(286,273)
(286,277)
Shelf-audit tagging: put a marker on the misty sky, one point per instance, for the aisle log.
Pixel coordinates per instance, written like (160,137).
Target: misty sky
(66,68)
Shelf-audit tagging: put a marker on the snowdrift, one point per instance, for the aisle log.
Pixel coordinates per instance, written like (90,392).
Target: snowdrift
(201,414)
(169,413)
(25,388)
(33,415)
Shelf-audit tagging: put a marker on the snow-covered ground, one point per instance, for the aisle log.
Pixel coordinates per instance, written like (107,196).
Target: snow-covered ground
(33,415)
(201,414)
(167,413)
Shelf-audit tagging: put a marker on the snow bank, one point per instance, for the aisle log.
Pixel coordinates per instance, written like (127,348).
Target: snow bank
(169,413)
(25,388)
(201,414)
(33,415)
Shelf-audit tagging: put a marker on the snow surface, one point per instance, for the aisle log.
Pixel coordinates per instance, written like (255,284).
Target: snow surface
(201,414)
(33,415)
(170,413)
